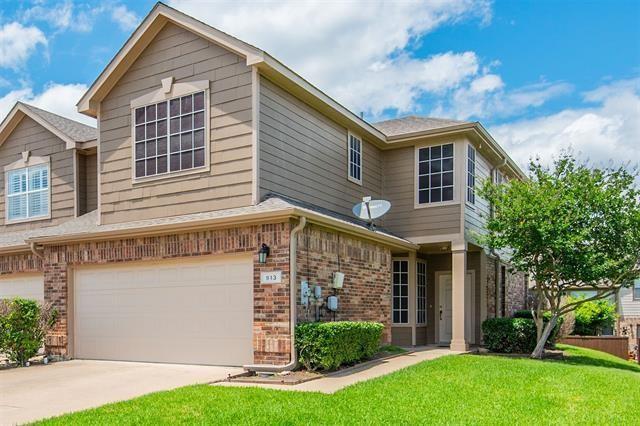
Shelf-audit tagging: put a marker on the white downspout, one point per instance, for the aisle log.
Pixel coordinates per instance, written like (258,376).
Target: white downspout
(293,248)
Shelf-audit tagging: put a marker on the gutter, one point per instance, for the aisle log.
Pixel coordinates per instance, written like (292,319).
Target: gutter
(36,251)
(293,247)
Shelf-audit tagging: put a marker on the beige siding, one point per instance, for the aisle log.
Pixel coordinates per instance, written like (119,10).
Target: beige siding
(303,154)
(187,57)
(87,183)
(31,136)
(475,216)
(628,306)
(399,188)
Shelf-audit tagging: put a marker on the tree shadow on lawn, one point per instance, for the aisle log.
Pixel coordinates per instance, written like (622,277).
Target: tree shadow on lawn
(575,359)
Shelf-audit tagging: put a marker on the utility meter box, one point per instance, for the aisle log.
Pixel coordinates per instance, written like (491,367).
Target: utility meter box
(338,280)
(332,303)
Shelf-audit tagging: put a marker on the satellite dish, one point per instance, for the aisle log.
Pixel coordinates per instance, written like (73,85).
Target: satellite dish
(370,209)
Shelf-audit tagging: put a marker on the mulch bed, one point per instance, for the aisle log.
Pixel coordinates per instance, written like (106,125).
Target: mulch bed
(301,376)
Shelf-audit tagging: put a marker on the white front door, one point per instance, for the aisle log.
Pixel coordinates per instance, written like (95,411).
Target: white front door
(446,312)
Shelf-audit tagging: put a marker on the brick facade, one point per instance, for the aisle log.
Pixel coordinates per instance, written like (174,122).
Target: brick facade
(366,295)
(516,292)
(630,327)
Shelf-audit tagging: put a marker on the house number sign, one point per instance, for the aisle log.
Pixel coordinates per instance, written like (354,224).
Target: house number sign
(271,277)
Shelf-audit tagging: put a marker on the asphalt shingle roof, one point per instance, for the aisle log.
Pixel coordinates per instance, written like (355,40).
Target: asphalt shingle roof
(76,131)
(412,124)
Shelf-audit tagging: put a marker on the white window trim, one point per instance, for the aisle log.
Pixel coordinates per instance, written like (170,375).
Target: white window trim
(426,275)
(160,95)
(416,177)
(408,323)
(26,164)
(349,177)
(467,173)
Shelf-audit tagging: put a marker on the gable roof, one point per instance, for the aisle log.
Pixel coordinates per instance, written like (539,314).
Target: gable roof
(70,131)
(413,123)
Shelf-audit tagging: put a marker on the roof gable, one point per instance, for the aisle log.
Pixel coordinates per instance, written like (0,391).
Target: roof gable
(146,32)
(70,131)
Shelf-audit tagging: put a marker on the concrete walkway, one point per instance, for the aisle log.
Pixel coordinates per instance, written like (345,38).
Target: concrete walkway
(28,394)
(334,382)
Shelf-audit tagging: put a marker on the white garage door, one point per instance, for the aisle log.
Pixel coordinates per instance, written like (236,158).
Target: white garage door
(192,312)
(25,286)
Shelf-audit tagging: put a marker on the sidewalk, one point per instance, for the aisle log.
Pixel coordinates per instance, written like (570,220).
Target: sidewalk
(333,382)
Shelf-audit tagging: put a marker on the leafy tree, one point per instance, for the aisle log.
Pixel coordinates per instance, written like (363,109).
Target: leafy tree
(591,318)
(571,227)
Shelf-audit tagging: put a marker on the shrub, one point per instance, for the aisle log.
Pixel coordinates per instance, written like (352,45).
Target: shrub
(593,317)
(328,345)
(23,326)
(509,335)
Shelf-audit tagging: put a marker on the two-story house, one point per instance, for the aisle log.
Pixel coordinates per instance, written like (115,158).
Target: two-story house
(224,186)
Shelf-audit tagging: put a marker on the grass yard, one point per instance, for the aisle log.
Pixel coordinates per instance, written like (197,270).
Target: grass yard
(589,388)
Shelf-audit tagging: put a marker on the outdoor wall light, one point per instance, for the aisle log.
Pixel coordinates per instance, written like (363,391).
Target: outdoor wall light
(263,253)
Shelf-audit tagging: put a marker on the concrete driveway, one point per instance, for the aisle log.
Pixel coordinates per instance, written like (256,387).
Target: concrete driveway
(41,391)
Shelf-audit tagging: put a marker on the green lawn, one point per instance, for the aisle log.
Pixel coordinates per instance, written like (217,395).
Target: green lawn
(589,388)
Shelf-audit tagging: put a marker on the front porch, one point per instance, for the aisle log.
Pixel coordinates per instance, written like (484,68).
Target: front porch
(440,295)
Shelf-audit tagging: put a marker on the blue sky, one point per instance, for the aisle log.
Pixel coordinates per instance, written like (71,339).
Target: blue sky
(542,76)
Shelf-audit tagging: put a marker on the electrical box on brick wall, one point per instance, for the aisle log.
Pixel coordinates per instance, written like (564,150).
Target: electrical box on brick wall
(305,292)
(338,280)
(332,303)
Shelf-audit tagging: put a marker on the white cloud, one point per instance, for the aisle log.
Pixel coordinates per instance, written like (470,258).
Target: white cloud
(59,16)
(356,51)
(17,43)
(605,129)
(487,97)
(57,98)
(79,17)
(126,19)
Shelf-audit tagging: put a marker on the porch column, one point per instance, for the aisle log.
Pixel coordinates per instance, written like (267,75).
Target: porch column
(459,342)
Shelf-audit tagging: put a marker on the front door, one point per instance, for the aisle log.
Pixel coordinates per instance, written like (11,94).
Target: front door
(446,312)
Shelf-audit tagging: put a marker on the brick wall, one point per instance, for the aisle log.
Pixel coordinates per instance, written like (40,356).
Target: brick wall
(628,326)
(366,295)
(271,311)
(515,290)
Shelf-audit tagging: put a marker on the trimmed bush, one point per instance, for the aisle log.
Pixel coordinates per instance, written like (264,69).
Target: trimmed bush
(592,318)
(509,335)
(328,345)
(23,327)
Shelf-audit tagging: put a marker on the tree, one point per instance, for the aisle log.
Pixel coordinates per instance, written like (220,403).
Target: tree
(570,227)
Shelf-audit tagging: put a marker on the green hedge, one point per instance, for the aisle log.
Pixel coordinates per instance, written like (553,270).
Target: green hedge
(514,335)
(328,345)
(509,335)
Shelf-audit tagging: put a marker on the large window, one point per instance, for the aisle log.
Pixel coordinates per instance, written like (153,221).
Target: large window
(435,174)
(421,293)
(170,136)
(28,193)
(355,159)
(636,290)
(400,291)
(471,175)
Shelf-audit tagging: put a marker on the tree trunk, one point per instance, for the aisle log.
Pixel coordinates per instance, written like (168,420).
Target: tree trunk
(539,320)
(542,341)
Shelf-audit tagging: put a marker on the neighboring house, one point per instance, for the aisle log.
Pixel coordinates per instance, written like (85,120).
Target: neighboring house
(628,324)
(209,150)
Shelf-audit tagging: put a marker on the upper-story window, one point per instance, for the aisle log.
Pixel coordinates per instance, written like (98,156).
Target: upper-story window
(435,174)
(170,136)
(471,174)
(355,159)
(28,193)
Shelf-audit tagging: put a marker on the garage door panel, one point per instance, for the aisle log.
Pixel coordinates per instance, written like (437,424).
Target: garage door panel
(196,312)
(27,286)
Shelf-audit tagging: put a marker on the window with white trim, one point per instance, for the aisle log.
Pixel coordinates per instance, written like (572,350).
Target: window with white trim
(355,158)
(471,174)
(421,292)
(28,193)
(435,174)
(400,291)
(170,136)
(636,290)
